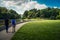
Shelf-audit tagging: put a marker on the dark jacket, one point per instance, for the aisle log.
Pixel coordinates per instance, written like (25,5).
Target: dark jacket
(6,22)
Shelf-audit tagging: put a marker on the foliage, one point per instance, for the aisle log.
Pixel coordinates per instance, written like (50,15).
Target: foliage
(49,13)
(6,13)
(58,17)
(25,14)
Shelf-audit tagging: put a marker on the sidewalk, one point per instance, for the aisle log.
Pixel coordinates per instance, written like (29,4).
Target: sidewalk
(8,36)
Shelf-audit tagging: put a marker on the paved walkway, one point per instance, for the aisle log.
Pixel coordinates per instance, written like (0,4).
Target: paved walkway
(8,36)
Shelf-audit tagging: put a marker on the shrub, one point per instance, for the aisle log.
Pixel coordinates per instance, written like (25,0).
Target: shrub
(58,17)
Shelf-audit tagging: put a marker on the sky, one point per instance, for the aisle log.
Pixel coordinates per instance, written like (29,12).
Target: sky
(50,3)
(20,6)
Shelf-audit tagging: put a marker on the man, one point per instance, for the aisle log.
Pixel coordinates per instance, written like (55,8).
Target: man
(13,24)
(7,24)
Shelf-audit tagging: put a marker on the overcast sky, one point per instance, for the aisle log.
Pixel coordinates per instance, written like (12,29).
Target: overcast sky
(21,5)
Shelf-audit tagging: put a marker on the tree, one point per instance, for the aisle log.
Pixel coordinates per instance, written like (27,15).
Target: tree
(3,12)
(38,14)
(49,13)
(54,13)
(25,15)
(6,13)
(14,14)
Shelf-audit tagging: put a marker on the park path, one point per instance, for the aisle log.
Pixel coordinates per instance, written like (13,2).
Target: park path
(8,36)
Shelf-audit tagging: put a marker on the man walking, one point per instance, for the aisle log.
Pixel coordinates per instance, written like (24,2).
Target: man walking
(13,24)
(7,24)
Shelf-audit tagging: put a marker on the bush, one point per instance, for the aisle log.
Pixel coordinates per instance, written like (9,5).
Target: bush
(52,18)
(58,17)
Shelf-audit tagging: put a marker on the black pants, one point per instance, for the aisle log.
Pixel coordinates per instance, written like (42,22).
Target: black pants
(14,28)
(6,28)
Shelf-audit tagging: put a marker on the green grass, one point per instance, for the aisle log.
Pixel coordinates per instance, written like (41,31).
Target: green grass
(39,30)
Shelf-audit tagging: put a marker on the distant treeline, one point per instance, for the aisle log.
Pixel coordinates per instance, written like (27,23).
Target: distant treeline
(49,13)
(10,14)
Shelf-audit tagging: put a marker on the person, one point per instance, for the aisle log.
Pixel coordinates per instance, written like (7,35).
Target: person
(13,24)
(7,24)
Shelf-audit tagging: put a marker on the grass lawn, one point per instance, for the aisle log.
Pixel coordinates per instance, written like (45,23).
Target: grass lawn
(39,30)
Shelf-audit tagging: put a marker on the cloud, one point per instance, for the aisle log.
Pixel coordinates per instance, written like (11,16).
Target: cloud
(55,7)
(30,5)
(20,5)
(40,6)
(18,1)
(8,3)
